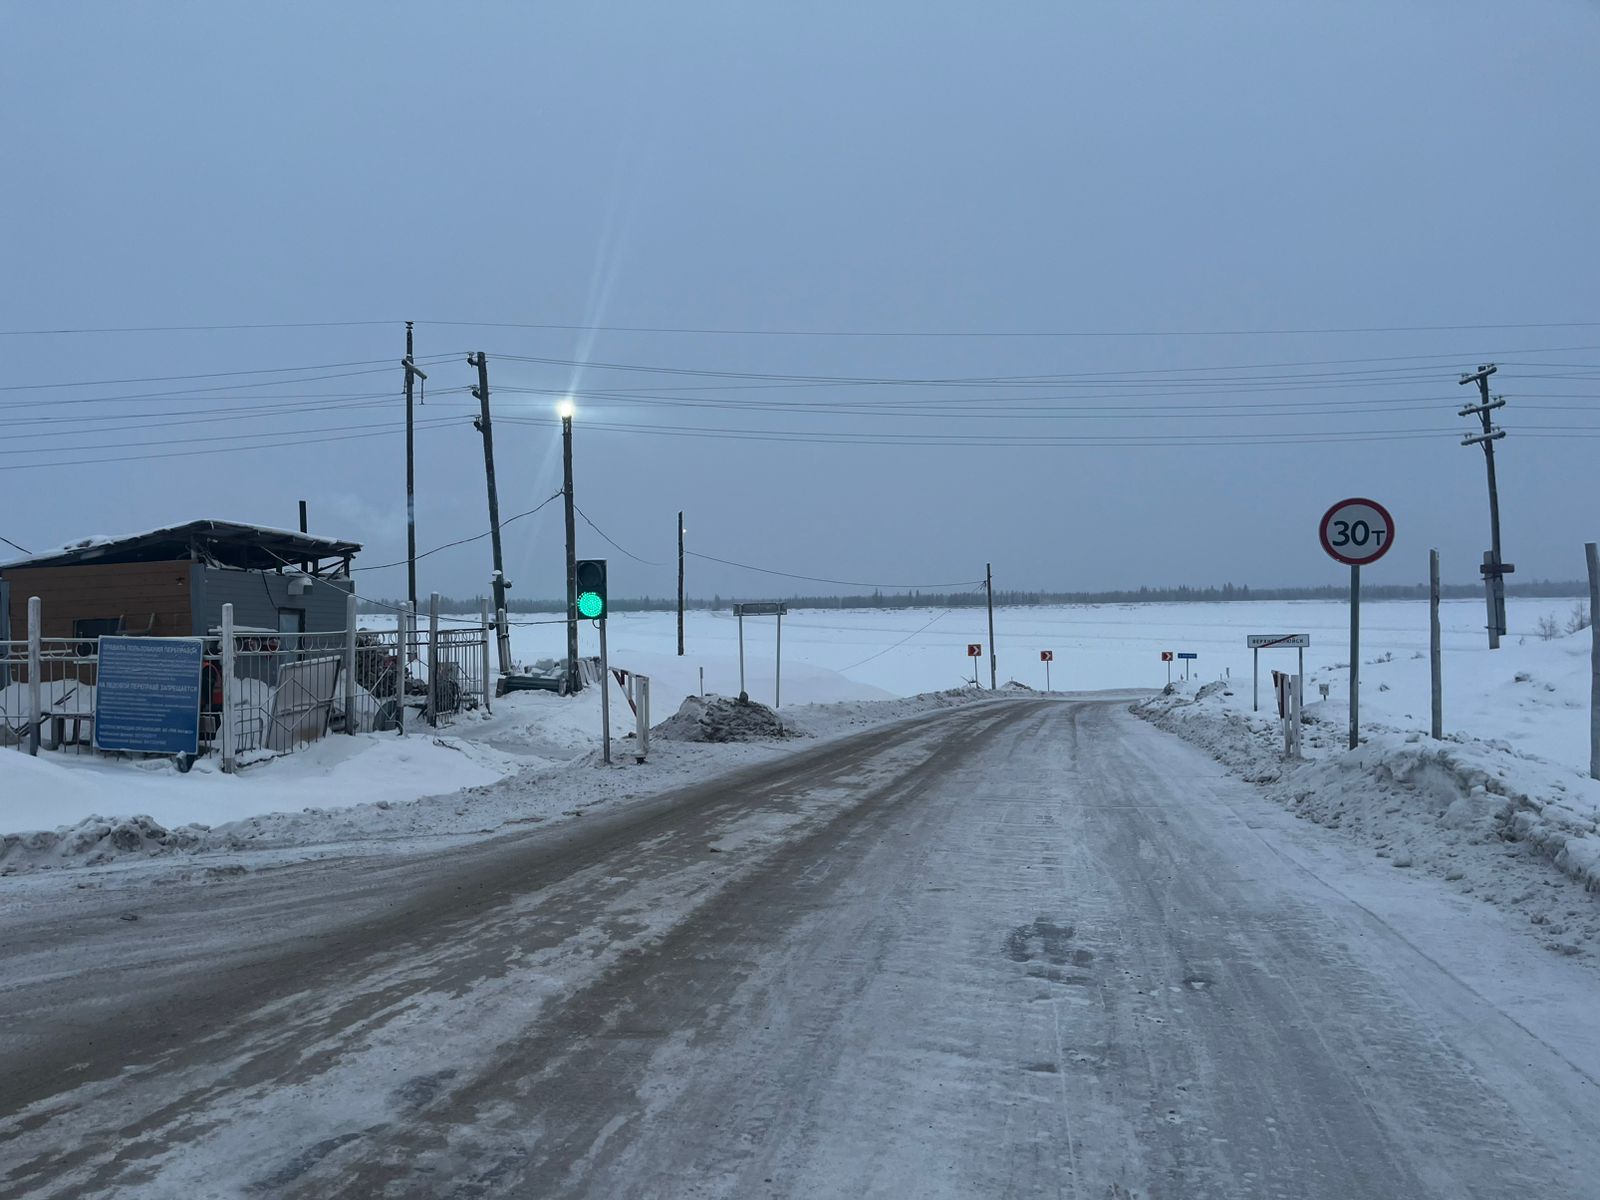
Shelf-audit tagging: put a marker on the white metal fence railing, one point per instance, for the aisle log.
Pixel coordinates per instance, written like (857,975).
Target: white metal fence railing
(262,692)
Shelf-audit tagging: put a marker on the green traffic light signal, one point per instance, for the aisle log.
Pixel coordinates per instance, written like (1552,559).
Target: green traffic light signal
(590,575)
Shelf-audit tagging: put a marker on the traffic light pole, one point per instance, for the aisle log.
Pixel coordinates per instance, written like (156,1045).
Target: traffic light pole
(605,696)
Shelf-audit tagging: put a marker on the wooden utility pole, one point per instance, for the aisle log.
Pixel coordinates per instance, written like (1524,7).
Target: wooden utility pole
(573,683)
(483,425)
(412,373)
(1494,568)
(1594,661)
(304,566)
(1435,649)
(680,584)
(988,587)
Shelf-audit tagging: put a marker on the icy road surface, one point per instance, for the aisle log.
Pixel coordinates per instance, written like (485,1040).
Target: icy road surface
(1021,948)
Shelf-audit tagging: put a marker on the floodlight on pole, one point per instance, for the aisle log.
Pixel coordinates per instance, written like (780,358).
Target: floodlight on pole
(565,409)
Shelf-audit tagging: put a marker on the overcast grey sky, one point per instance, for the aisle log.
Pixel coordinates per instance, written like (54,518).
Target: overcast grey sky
(1136,176)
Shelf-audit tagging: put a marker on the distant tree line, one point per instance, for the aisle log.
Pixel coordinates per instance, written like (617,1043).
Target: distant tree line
(1227,593)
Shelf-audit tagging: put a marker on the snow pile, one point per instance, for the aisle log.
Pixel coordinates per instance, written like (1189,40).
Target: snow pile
(1488,817)
(720,719)
(94,841)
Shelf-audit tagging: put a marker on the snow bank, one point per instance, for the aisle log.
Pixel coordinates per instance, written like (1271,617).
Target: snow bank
(1484,815)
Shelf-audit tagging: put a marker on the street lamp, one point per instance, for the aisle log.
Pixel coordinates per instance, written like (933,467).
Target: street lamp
(565,408)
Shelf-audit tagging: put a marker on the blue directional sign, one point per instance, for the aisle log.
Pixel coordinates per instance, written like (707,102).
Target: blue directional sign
(147,695)
(1187,654)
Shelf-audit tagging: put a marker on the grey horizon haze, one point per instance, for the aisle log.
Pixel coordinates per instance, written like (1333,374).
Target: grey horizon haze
(1104,294)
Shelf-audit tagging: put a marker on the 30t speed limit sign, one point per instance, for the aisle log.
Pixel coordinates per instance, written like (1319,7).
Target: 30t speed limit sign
(1357,532)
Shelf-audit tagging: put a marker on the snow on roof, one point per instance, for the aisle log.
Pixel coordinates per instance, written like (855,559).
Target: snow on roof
(219,535)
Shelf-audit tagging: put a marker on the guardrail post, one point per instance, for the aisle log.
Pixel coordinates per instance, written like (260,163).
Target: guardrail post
(433,659)
(483,617)
(350,720)
(225,717)
(35,707)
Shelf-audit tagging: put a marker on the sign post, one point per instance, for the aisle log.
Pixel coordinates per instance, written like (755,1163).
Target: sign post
(763,608)
(147,695)
(1166,657)
(1047,657)
(1257,642)
(974,652)
(1187,657)
(1356,532)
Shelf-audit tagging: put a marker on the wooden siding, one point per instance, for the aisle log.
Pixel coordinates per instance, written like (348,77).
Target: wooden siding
(132,591)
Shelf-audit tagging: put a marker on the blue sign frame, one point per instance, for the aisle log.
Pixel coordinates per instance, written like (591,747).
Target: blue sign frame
(147,695)
(1182,654)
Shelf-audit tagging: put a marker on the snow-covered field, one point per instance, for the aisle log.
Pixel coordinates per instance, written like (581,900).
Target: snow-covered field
(525,760)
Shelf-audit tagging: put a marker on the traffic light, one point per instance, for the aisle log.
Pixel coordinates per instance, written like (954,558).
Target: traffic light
(591,577)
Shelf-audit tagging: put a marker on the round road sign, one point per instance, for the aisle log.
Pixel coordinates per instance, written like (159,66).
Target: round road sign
(1357,532)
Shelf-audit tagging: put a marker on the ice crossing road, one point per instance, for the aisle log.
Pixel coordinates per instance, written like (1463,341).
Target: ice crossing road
(1021,948)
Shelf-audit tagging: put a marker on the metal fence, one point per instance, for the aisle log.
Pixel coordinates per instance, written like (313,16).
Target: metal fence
(65,696)
(262,692)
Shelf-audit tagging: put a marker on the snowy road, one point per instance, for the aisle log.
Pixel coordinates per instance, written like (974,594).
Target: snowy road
(1025,948)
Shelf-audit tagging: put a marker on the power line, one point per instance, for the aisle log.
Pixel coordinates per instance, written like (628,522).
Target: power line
(898,587)
(364,362)
(80,462)
(223,437)
(191,328)
(996,333)
(896,646)
(808,333)
(608,538)
(14,546)
(477,537)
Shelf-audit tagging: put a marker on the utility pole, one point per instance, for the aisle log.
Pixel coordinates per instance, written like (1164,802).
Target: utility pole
(1494,569)
(1435,647)
(573,684)
(483,426)
(412,372)
(680,584)
(988,585)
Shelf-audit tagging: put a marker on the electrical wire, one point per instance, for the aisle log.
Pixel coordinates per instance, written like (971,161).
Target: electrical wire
(477,537)
(805,333)
(896,646)
(14,546)
(80,462)
(897,587)
(364,362)
(958,333)
(626,553)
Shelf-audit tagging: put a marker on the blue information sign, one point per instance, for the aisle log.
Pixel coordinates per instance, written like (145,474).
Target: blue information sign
(147,695)
(1187,654)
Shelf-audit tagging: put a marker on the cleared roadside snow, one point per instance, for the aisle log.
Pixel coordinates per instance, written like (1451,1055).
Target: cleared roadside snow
(370,791)
(1488,814)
